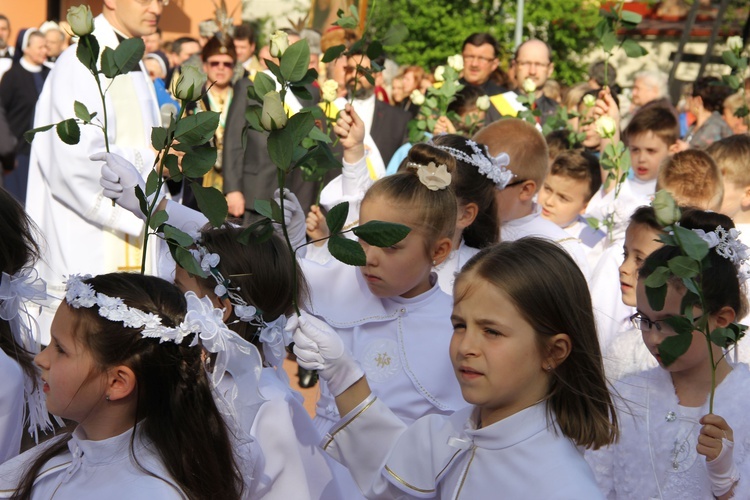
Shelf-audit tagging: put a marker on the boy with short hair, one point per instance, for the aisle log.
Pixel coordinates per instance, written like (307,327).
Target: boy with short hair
(693,179)
(529,161)
(732,157)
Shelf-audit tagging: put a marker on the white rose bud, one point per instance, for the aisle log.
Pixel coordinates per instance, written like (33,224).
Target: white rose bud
(81,20)
(439,72)
(665,208)
(483,103)
(279,43)
(735,44)
(606,127)
(416,97)
(190,84)
(529,86)
(589,100)
(329,90)
(456,62)
(273,116)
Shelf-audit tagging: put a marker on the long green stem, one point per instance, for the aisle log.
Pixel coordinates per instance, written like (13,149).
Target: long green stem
(159,183)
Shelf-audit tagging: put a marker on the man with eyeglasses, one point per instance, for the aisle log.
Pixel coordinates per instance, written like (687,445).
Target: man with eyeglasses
(481,71)
(533,61)
(84,232)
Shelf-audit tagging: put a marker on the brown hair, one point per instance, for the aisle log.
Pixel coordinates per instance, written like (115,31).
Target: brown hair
(579,165)
(432,213)
(175,407)
(529,157)
(645,216)
(550,292)
(657,119)
(337,36)
(732,156)
(573,96)
(693,179)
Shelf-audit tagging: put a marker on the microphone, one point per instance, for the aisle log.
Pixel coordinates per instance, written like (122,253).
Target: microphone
(167,111)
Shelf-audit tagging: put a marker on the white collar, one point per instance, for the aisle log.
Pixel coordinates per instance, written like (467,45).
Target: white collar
(29,66)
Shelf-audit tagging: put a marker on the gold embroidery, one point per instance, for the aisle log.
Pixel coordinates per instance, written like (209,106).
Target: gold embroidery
(395,476)
(446,465)
(466,472)
(383,360)
(328,443)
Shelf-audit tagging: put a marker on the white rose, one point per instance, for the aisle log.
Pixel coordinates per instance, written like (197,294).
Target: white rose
(279,43)
(529,86)
(439,71)
(416,97)
(456,62)
(735,44)
(273,116)
(81,20)
(665,208)
(483,103)
(190,84)
(606,127)
(589,100)
(329,90)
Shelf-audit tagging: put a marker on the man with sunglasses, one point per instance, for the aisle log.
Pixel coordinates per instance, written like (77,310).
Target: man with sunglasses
(84,232)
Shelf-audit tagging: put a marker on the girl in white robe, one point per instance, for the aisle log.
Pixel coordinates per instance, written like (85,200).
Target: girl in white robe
(126,365)
(526,355)
(670,447)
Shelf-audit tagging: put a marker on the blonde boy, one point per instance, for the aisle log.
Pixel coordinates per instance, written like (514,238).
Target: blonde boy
(693,179)
(732,157)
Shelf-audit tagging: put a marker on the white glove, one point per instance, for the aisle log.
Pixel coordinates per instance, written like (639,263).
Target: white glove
(119,179)
(318,347)
(294,218)
(722,471)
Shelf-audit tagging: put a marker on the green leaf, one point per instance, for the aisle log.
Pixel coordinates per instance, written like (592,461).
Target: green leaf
(279,149)
(88,52)
(298,127)
(347,251)
(395,35)
(673,347)
(301,92)
(141,199)
(333,53)
(152,182)
(336,217)
(318,135)
(269,209)
(631,17)
(684,267)
(29,134)
(346,22)
(186,261)
(680,324)
(609,40)
(723,337)
(158,218)
(109,66)
(658,277)
(129,53)
(691,243)
(158,137)
(252,116)
(69,131)
(197,129)
(179,237)
(257,232)
(274,68)
(173,167)
(593,222)
(198,162)
(633,48)
(263,84)
(656,297)
(353,11)
(310,77)
(295,61)
(375,50)
(211,202)
(82,112)
(730,58)
(381,234)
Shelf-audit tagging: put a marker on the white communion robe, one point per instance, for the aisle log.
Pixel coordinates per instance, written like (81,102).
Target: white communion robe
(83,231)
(11,407)
(633,194)
(93,470)
(524,456)
(655,457)
(451,266)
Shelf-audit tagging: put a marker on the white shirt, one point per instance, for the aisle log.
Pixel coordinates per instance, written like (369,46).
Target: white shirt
(523,456)
(594,241)
(450,267)
(626,354)
(606,296)
(633,194)
(11,407)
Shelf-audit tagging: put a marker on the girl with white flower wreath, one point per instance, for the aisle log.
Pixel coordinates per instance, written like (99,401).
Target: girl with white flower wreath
(670,446)
(126,364)
(21,400)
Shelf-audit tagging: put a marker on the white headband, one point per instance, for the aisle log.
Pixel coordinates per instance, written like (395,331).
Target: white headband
(492,167)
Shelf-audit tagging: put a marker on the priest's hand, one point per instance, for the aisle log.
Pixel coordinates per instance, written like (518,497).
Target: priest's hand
(318,347)
(119,178)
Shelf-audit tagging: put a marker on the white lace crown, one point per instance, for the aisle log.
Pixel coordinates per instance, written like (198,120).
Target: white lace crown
(728,245)
(492,167)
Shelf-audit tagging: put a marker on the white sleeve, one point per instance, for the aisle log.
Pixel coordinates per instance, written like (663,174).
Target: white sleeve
(11,407)
(185,218)
(601,462)
(351,187)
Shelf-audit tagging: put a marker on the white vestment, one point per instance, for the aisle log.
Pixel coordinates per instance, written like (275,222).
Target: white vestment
(83,232)
(11,407)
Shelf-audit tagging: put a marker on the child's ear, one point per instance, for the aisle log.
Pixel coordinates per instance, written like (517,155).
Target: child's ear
(745,200)
(228,308)
(674,148)
(466,215)
(724,317)
(121,383)
(558,350)
(528,190)
(441,250)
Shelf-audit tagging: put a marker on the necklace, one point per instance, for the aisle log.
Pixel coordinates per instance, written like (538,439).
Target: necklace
(682,447)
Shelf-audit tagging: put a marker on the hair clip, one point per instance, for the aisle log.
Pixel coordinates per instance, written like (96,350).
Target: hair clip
(492,167)
(432,176)
(728,245)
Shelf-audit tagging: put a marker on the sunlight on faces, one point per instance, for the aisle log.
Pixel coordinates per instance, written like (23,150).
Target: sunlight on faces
(244,49)
(533,62)
(73,383)
(219,68)
(479,63)
(640,242)
(495,353)
(132,18)
(409,82)
(4,33)
(647,151)
(644,91)
(54,40)
(563,199)
(731,204)
(403,269)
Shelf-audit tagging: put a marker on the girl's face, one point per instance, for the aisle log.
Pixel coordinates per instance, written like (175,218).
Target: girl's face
(71,386)
(696,357)
(640,242)
(401,270)
(494,351)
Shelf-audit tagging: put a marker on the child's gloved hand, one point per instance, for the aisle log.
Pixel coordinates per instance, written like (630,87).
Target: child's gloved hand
(715,442)
(318,347)
(119,179)
(294,217)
